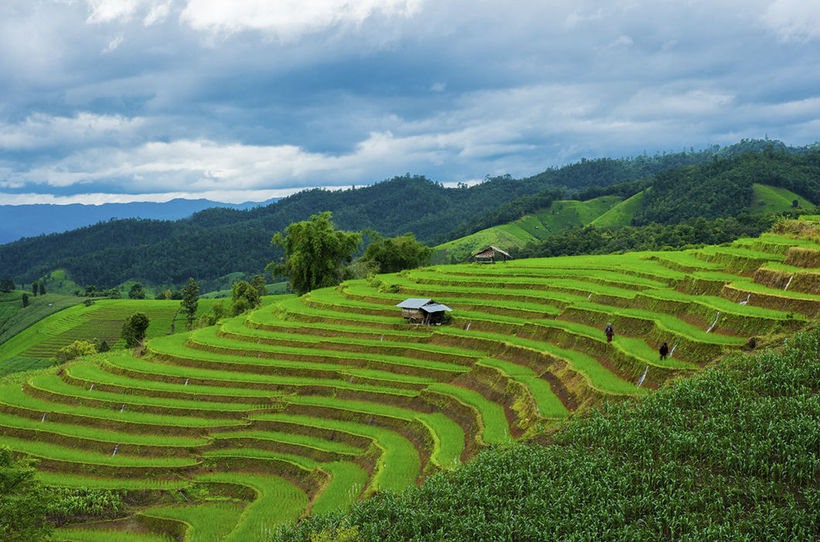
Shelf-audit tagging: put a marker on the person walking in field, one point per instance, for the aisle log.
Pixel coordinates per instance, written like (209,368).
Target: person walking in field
(664,350)
(609,332)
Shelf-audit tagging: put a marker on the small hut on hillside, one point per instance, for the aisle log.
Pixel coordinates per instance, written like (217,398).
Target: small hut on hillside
(489,255)
(423,310)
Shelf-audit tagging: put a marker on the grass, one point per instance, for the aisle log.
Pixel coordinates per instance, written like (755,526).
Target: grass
(207,522)
(46,450)
(559,217)
(399,464)
(107,535)
(62,479)
(78,431)
(306,441)
(278,502)
(494,422)
(549,406)
(13,396)
(770,199)
(55,386)
(42,331)
(348,482)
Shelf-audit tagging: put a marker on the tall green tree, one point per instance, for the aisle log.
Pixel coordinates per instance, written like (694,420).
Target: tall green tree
(398,253)
(190,301)
(23,501)
(41,287)
(34,288)
(133,329)
(136,291)
(258,282)
(315,253)
(6,285)
(25,300)
(245,297)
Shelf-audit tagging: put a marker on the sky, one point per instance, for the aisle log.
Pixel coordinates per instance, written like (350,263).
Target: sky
(244,100)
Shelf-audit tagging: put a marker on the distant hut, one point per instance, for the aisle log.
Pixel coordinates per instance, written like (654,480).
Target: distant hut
(489,255)
(423,310)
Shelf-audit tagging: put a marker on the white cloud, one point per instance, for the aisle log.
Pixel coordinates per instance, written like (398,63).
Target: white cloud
(288,19)
(797,20)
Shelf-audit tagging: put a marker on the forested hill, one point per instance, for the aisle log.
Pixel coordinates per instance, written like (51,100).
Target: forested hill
(215,242)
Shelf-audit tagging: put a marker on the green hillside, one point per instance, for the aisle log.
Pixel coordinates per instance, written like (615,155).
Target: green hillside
(769,199)
(601,212)
(559,217)
(622,213)
(217,242)
(311,403)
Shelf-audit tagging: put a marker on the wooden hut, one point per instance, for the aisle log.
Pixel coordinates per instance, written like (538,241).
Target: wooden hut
(423,311)
(489,255)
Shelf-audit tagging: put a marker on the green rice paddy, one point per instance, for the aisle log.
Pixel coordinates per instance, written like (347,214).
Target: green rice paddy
(312,403)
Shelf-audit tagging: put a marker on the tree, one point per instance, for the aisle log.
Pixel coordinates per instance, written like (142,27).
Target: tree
(6,285)
(393,255)
(315,253)
(133,329)
(136,291)
(23,501)
(41,286)
(190,301)
(34,288)
(25,300)
(74,350)
(258,282)
(245,297)
(211,318)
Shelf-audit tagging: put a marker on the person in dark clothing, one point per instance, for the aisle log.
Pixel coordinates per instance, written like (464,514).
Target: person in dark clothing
(664,350)
(609,332)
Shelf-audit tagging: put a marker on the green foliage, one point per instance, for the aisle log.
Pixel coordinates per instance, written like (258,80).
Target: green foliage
(190,301)
(82,504)
(6,285)
(724,187)
(393,255)
(592,240)
(731,454)
(258,282)
(133,329)
(136,291)
(41,287)
(75,350)
(24,299)
(211,318)
(510,211)
(244,297)
(23,502)
(315,253)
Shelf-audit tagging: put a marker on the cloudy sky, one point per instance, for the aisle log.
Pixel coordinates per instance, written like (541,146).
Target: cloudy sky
(124,100)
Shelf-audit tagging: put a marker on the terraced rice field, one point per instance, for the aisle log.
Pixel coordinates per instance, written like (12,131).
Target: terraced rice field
(311,403)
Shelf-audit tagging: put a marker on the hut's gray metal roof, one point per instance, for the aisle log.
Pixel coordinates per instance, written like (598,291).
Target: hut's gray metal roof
(488,252)
(435,307)
(414,303)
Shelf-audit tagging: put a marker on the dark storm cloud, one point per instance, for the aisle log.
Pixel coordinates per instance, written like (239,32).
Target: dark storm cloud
(249,98)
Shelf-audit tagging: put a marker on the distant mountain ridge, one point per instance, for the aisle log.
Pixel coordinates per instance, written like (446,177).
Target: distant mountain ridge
(215,242)
(18,221)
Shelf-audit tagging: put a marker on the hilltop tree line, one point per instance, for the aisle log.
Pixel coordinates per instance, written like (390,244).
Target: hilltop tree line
(216,242)
(692,232)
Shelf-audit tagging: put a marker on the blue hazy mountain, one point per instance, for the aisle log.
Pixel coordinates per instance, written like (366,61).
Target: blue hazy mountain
(17,221)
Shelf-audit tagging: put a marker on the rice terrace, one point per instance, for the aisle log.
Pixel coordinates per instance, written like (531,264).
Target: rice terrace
(312,403)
